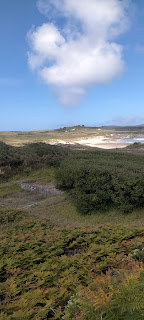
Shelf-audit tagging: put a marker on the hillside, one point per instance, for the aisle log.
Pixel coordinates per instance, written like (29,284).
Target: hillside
(64,257)
(74,135)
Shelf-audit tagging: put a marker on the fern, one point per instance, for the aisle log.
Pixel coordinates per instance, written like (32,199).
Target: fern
(119,297)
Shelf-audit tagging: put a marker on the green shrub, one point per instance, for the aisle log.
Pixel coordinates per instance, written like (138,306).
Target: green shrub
(15,160)
(99,180)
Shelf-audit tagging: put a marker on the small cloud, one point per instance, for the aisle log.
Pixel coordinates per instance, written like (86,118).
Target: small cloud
(127,121)
(84,51)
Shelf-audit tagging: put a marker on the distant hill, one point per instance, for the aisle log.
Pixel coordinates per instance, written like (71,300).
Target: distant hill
(70,135)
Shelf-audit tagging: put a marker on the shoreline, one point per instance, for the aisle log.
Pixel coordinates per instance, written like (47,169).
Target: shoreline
(102,142)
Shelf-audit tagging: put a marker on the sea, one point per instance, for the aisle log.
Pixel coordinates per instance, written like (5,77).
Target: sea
(131,140)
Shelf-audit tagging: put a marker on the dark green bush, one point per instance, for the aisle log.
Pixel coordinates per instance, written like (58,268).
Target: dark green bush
(100,179)
(14,160)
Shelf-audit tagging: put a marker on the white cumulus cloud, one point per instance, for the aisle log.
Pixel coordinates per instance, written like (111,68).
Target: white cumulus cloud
(77,46)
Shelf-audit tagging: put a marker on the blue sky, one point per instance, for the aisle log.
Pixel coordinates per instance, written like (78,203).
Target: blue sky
(37,99)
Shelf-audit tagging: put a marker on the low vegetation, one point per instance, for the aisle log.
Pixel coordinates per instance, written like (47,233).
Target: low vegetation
(66,262)
(43,267)
(102,180)
(18,160)
(114,296)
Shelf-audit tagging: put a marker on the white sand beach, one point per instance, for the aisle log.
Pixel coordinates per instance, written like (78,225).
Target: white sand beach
(94,141)
(102,142)
(56,141)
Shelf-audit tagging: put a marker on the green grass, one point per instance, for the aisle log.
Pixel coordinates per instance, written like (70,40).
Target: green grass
(9,190)
(42,175)
(61,211)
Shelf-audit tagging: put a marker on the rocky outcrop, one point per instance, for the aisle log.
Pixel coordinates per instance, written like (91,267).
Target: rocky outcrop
(50,191)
